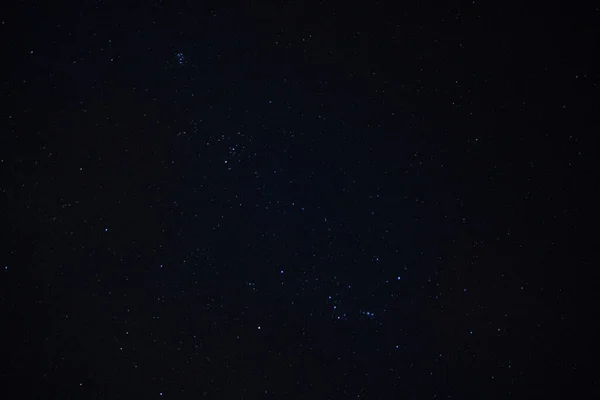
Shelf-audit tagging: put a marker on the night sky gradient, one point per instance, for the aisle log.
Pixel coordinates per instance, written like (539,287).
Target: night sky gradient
(299,200)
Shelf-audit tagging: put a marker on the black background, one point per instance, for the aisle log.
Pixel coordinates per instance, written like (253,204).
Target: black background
(299,200)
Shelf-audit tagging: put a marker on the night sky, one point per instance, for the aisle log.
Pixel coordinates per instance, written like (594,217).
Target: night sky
(303,200)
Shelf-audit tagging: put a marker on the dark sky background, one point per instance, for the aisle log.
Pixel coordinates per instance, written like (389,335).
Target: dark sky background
(301,200)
